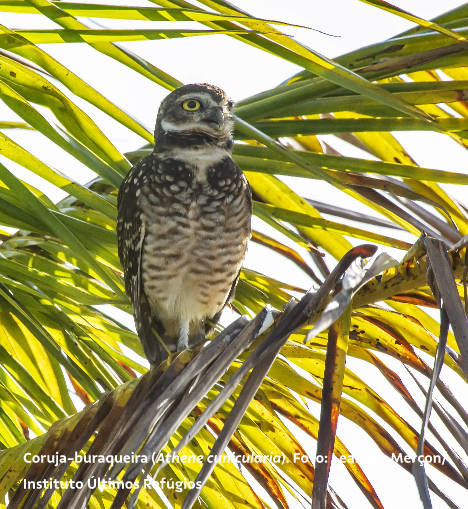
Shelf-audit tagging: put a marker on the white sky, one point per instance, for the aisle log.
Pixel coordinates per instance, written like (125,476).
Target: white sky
(242,71)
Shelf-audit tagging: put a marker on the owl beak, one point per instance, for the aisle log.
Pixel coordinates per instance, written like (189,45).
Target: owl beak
(215,118)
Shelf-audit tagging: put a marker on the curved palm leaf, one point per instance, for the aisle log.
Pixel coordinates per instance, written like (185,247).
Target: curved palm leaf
(59,265)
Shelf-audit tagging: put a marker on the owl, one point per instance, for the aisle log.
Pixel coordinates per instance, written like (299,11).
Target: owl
(183,223)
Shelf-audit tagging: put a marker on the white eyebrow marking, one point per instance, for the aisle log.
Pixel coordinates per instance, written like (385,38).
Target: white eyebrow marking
(197,95)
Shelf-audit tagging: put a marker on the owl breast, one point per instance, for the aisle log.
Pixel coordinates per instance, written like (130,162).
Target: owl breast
(197,225)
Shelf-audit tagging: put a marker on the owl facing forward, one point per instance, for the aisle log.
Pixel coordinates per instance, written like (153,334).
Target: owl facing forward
(183,222)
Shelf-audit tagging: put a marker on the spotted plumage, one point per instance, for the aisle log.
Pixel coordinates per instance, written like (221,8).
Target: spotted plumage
(183,222)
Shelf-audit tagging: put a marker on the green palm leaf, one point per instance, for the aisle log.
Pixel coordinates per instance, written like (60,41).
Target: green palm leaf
(72,376)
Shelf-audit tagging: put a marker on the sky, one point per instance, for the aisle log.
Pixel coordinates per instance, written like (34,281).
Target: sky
(243,71)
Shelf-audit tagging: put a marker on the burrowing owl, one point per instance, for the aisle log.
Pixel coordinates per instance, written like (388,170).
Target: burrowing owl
(183,222)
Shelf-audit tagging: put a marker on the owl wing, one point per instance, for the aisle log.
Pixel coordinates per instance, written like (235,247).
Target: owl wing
(131,237)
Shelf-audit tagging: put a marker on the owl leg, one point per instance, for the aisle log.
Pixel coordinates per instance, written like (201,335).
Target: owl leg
(182,344)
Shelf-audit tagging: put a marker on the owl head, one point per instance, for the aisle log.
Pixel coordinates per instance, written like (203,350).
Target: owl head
(199,109)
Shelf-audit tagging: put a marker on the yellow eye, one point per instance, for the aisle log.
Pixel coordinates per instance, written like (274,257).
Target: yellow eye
(191,105)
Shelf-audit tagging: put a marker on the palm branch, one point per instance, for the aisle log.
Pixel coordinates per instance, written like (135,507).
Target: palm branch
(72,378)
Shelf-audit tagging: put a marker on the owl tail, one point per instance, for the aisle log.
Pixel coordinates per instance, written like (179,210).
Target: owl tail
(152,334)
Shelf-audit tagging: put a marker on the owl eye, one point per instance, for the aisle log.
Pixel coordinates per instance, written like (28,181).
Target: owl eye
(191,105)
